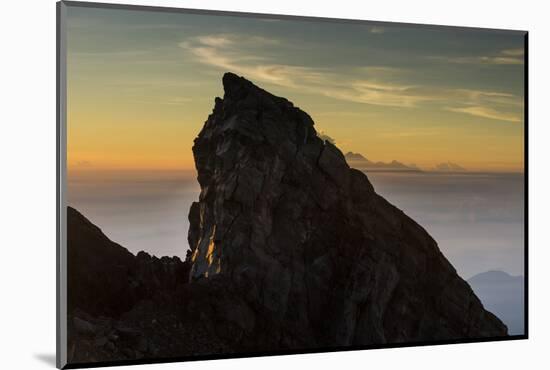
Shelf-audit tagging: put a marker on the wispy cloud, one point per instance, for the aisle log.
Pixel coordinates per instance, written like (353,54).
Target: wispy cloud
(503,60)
(269,20)
(227,52)
(504,57)
(487,104)
(225,40)
(378,93)
(377,30)
(380,70)
(489,97)
(372,85)
(486,112)
(513,52)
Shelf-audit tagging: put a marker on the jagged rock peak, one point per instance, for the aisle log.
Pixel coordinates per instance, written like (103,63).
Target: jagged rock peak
(236,88)
(312,255)
(254,104)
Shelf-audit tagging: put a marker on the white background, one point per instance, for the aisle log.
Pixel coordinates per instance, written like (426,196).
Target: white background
(27,204)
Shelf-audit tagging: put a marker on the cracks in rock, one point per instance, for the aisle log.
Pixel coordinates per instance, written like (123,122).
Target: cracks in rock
(289,194)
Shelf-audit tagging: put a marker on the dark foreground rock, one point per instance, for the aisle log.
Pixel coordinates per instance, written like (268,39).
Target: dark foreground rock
(290,249)
(126,307)
(106,279)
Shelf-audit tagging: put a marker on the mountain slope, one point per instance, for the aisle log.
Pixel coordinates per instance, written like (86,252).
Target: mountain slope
(503,295)
(126,307)
(106,279)
(312,255)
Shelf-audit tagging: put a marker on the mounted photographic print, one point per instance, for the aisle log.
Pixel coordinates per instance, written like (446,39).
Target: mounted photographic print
(235,185)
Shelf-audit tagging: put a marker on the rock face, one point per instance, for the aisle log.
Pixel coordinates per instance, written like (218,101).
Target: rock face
(292,248)
(126,307)
(106,279)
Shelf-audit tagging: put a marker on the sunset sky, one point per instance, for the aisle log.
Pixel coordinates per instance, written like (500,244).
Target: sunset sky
(141,84)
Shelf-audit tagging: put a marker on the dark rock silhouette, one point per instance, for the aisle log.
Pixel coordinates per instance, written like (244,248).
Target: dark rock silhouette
(311,254)
(503,295)
(126,307)
(290,249)
(106,279)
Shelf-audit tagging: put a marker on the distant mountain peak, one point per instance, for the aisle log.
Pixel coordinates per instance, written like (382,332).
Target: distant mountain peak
(449,167)
(503,295)
(357,160)
(494,275)
(351,156)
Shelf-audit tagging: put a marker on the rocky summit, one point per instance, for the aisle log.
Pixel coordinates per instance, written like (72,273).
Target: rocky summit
(312,255)
(290,249)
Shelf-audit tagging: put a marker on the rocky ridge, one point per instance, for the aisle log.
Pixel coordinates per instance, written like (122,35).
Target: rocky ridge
(290,249)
